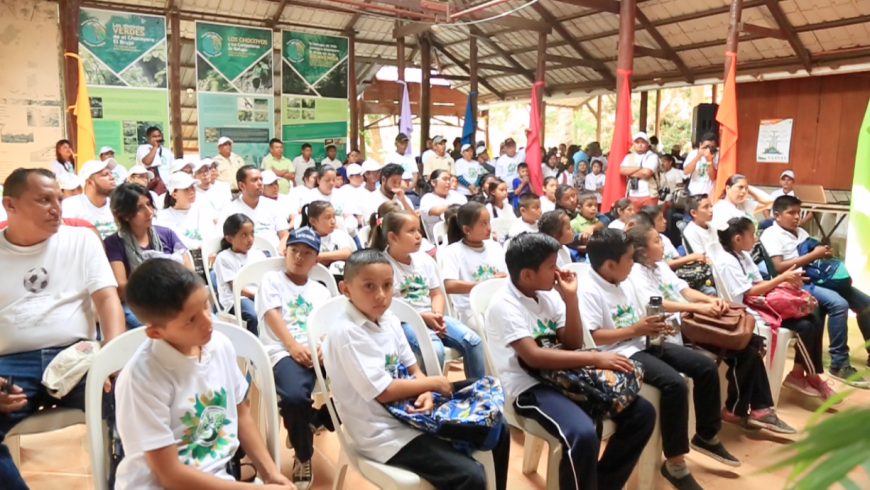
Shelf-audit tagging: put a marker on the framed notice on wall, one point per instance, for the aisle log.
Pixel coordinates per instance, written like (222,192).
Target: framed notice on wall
(774,140)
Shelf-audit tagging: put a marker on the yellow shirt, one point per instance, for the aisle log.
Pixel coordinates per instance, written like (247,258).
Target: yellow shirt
(227,168)
(434,162)
(270,162)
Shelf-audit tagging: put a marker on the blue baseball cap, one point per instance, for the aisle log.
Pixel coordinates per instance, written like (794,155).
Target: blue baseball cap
(305,235)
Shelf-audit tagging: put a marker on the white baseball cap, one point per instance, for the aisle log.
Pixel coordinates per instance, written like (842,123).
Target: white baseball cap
(480,150)
(407,176)
(223,139)
(198,164)
(68,181)
(466,146)
(370,166)
(787,172)
(207,161)
(353,169)
(181,180)
(640,135)
(140,170)
(269,177)
(179,164)
(90,168)
(106,149)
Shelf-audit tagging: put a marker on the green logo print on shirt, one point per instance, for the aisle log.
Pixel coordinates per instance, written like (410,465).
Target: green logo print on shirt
(299,310)
(544,327)
(624,316)
(204,435)
(414,288)
(105,228)
(192,234)
(391,362)
(670,293)
(483,273)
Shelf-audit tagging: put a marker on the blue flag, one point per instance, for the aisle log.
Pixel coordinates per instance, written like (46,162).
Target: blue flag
(468,128)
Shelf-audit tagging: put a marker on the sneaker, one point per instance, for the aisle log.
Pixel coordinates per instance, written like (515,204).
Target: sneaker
(742,422)
(770,422)
(801,385)
(303,474)
(825,390)
(846,372)
(685,483)
(716,451)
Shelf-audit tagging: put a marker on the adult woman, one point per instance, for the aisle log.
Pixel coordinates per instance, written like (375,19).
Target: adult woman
(137,239)
(739,200)
(193,222)
(438,199)
(63,158)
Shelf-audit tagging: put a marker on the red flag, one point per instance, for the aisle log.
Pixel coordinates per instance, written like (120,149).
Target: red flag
(727,118)
(614,183)
(533,144)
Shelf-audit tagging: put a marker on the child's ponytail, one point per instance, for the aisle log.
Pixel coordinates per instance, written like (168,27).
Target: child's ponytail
(466,216)
(313,210)
(376,224)
(232,226)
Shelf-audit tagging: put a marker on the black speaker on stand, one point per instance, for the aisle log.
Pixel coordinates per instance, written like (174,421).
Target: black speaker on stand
(704,121)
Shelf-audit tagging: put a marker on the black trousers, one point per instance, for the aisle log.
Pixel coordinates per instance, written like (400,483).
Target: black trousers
(664,373)
(294,384)
(808,349)
(436,461)
(748,386)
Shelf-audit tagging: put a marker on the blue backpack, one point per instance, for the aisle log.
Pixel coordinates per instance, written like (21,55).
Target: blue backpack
(827,273)
(471,419)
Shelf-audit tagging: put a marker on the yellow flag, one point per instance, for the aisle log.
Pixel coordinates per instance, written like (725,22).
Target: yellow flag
(86,144)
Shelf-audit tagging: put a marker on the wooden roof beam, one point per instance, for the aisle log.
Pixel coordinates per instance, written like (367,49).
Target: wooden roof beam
(568,61)
(506,69)
(278,12)
(611,6)
(663,44)
(525,72)
(640,51)
(790,34)
(464,67)
(410,29)
(761,31)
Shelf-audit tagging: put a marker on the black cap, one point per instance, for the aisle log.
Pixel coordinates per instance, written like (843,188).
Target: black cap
(401,137)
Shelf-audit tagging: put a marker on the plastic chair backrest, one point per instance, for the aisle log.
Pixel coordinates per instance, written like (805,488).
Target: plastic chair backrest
(447,303)
(209,247)
(479,298)
(580,268)
(261,243)
(714,251)
(502,225)
(111,358)
(363,235)
(439,234)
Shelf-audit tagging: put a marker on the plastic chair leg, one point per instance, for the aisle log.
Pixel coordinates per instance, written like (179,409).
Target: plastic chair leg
(14,445)
(532,450)
(777,365)
(343,465)
(554,458)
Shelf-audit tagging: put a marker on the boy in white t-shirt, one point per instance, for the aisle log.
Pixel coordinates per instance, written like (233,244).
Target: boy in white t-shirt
(700,231)
(181,408)
(362,350)
(530,213)
(283,303)
(613,315)
(527,308)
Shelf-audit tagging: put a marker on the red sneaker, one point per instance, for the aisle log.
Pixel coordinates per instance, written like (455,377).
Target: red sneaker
(801,385)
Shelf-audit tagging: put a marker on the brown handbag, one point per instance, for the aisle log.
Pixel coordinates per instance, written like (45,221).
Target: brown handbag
(731,331)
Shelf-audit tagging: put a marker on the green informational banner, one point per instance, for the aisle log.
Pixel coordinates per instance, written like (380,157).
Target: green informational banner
(314,106)
(234,89)
(858,238)
(124,56)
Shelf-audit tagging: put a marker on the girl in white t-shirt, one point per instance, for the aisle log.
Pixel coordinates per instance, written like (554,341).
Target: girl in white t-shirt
(192,222)
(237,252)
(749,401)
(434,203)
(335,244)
(556,224)
(298,195)
(656,216)
(324,190)
(624,210)
(595,180)
(498,205)
(471,257)
(548,200)
(741,276)
(416,281)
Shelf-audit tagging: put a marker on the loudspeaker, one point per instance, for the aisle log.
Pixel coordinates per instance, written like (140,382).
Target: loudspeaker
(704,121)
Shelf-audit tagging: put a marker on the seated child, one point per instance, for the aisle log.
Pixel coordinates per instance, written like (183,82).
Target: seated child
(530,212)
(656,214)
(623,209)
(557,225)
(415,280)
(335,244)
(527,307)
(363,348)
(237,252)
(548,200)
(749,403)
(586,221)
(580,176)
(522,185)
(566,200)
(283,303)
(612,313)
(741,276)
(471,256)
(699,232)
(181,408)
(786,180)
(781,242)
(497,205)
(595,180)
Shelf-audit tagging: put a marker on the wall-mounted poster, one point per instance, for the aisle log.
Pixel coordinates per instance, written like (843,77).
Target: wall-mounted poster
(774,140)
(314,106)
(124,56)
(234,90)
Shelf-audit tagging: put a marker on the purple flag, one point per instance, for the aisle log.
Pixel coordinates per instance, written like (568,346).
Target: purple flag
(405,124)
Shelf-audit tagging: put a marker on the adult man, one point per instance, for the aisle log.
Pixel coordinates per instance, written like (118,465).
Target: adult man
(63,271)
(406,161)
(281,165)
(303,162)
(429,151)
(640,168)
(269,221)
(228,162)
(456,152)
(701,166)
(154,157)
(391,188)
(331,160)
(468,171)
(506,166)
(93,205)
(438,160)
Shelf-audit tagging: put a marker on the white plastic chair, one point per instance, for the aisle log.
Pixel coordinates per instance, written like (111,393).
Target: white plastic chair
(363,235)
(502,225)
(439,234)
(253,274)
(580,268)
(213,246)
(46,420)
(382,475)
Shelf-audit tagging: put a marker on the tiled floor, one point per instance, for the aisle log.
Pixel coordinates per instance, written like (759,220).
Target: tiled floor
(59,460)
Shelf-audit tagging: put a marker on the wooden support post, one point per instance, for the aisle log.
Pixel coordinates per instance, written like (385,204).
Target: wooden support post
(733,32)
(362,124)
(425,90)
(625,47)
(475,94)
(540,73)
(175,84)
(351,90)
(715,95)
(658,113)
(644,103)
(598,121)
(400,63)
(485,115)
(69,31)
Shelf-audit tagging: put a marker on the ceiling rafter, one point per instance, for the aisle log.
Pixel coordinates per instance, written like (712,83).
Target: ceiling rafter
(664,45)
(459,63)
(278,13)
(790,34)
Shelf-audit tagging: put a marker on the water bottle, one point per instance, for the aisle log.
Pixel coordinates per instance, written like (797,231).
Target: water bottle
(655,342)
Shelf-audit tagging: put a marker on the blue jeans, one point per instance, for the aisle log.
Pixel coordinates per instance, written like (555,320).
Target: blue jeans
(130,319)
(25,369)
(837,305)
(294,385)
(458,336)
(249,315)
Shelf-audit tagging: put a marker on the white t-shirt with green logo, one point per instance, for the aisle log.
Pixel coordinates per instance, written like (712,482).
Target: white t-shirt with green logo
(81,207)
(267,217)
(463,263)
(193,226)
(604,305)
(415,281)
(294,303)
(165,398)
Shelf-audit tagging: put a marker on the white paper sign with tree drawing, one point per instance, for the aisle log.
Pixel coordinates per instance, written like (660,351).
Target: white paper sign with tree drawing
(774,140)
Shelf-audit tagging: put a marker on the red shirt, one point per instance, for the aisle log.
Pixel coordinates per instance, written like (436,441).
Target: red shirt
(68,222)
